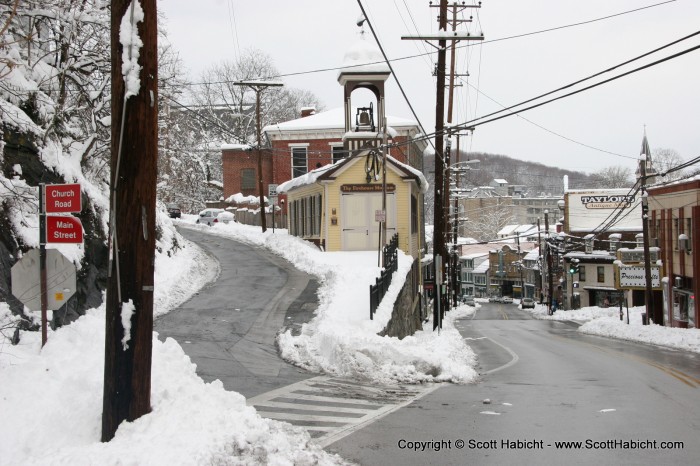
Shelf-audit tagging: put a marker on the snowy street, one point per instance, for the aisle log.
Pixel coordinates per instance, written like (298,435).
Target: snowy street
(229,327)
(544,382)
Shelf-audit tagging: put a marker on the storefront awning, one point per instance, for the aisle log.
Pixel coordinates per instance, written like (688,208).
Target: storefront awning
(601,288)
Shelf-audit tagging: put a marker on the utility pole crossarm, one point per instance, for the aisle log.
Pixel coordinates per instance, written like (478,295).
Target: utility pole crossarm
(444,35)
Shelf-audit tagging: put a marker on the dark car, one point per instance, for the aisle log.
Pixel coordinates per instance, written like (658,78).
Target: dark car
(468,300)
(174,211)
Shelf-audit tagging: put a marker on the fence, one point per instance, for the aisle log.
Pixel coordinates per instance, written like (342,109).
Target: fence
(381,284)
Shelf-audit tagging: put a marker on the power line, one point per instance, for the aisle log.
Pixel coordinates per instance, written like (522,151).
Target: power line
(476,122)
(408,57)
(391,68)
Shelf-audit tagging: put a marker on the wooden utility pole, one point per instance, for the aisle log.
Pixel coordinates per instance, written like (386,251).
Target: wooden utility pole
(550,264)
(439,204)
(648,295)
(258,87)
(134,146)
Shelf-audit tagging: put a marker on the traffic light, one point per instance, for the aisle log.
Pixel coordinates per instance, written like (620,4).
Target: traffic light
(573,268)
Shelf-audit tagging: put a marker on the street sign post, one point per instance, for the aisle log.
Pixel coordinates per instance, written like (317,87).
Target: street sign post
(60,279)
(63,229)
(62,198)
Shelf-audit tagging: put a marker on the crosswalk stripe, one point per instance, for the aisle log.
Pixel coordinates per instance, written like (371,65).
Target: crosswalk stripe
(296,406)
(330,408)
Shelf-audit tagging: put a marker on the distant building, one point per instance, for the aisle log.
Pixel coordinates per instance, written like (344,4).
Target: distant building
(506,273)
(612,219)
(511,202)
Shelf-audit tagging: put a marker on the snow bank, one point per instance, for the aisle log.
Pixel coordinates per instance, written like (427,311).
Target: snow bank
(51,401)
(606,322)
(341,339)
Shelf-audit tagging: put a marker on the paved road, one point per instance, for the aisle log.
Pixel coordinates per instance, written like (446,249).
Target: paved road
(228,329)
(544,382)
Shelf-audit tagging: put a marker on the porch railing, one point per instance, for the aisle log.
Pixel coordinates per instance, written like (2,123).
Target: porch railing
(381,285)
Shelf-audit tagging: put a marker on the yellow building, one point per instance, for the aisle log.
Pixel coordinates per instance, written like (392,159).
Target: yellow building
(337,208)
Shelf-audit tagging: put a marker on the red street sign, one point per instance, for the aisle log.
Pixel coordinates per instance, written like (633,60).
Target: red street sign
(62,198)
(63,229)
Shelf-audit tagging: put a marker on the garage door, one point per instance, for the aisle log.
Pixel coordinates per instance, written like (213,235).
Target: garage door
(360,231)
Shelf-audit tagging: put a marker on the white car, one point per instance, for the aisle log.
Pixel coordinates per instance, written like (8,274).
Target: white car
(209,216)
(507,300)
(226,217)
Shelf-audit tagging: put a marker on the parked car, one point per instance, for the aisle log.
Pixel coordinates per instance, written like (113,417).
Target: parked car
(507,300)
(209,216)
(468,300)
(174,211)
(526,303)
(226,217)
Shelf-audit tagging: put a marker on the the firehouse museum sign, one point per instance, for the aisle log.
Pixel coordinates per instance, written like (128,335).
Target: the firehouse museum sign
(366,188)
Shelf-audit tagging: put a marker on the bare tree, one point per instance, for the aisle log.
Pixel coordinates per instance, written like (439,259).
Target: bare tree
(613,177)
(666,159)
(485,223)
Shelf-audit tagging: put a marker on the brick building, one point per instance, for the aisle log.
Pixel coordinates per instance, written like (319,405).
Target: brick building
(294,148)
(674,227)
(299,146)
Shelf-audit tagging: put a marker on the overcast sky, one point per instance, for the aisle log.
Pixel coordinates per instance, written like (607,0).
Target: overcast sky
(308,35)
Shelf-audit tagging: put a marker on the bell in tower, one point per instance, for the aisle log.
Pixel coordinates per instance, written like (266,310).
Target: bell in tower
(363,68)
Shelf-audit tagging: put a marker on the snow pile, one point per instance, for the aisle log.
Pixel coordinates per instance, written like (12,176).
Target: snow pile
(192,422)
(341,339)
(131,43)
(51,398)
(606,322)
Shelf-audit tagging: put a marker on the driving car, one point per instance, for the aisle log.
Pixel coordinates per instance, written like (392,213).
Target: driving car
(209,216)
(507,300)
(526,303)
(174,211)
(494,299)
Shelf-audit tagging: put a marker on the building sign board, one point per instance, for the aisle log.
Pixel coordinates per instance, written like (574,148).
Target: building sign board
(633,277)
(607,201)
(61,198)
(366,188)
(587,210)
(637,255)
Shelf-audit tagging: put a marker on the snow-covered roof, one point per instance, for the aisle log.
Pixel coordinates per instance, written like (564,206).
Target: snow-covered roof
(482,268)
(330,119)
(307,178)
(364,57)
(474,255)
(313,176)
(236,147)
(532,255)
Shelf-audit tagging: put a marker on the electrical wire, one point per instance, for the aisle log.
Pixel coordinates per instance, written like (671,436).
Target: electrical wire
(396,78)
(477,121)
(408,57)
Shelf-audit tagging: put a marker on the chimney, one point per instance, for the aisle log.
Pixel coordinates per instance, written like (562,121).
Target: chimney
(307,111)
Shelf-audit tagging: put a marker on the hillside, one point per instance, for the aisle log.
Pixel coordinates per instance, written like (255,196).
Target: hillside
(538,178)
